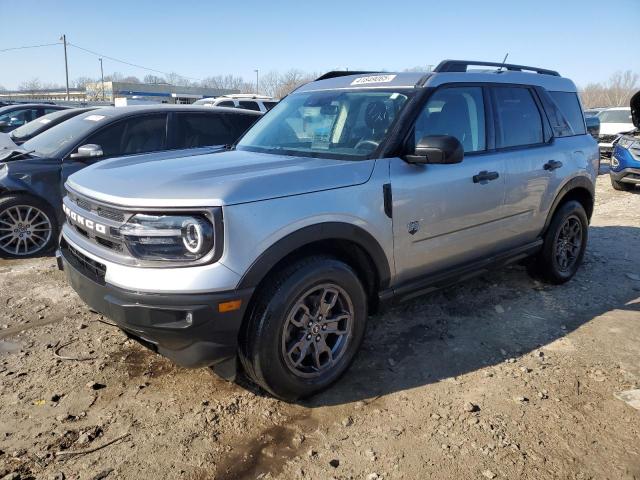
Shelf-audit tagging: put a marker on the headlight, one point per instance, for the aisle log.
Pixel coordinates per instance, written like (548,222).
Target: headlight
(168,237)
(614,162)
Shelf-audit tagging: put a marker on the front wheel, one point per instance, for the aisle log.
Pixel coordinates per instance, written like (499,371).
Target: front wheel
(305,329)
(564,244)
(27,227)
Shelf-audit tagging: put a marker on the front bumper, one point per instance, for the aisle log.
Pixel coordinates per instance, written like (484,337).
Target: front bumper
(186,328)
(626,175)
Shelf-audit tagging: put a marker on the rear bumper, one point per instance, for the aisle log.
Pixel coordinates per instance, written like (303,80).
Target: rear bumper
(186,328)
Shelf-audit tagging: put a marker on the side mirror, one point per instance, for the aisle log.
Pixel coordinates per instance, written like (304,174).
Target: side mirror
(443,149)
(593,126)
(88,151)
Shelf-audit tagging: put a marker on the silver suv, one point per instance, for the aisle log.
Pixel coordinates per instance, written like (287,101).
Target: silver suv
(356,190)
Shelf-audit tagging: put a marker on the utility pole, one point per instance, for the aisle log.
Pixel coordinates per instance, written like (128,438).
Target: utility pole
(66,65)
(256,70)
(102,78)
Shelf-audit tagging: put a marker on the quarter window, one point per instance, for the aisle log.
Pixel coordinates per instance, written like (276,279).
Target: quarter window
(570,107)
(458,112)
(519,117)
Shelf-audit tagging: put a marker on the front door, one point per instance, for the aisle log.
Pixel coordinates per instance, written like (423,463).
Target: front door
(446,215)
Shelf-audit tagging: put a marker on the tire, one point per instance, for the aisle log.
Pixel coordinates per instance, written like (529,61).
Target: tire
(623,187)
(19,236)
(550,264)
(283,333)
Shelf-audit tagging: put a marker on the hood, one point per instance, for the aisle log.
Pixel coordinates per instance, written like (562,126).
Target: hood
(224,178)
(635,109)
(6,142)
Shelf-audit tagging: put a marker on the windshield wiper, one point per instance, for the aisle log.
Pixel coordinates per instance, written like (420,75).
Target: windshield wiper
(14,154)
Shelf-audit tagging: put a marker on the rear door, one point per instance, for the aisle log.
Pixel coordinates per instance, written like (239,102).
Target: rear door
(536,161)
(445,215)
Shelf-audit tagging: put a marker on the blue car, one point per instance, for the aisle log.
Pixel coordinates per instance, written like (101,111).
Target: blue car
(625,161)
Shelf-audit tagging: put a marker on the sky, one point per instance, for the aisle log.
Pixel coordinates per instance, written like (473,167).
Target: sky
(584,40)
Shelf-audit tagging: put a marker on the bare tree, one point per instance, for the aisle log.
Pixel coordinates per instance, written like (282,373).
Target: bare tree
(113,77)
(30,86)
(616,92)
(81,82)
(154,79)
(131,79)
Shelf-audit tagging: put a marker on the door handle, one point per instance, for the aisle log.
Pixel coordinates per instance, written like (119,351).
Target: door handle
(552,165)
(484,177)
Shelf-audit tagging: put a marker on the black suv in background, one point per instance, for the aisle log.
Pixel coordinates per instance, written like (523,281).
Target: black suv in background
(14,116)
(32,175)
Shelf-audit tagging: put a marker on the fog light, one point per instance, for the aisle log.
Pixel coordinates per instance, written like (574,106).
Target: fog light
(230,306)
(615,163)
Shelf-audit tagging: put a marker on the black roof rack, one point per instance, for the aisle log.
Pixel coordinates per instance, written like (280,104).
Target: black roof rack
(461,66)
(341,73)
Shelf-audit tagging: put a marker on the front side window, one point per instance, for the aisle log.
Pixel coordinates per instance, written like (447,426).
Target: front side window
(330,124)
(518,116)
(458,112)
(249,105)
(131,136)
(19,117)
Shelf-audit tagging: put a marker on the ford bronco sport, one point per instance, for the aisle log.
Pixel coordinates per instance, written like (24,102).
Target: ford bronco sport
(355,190)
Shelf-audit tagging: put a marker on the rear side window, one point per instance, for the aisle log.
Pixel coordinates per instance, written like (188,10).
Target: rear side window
(202,130)
(134,135)
(519,118)
(249,105)
(456,111)
(570,108)
(269,105)
(240,123)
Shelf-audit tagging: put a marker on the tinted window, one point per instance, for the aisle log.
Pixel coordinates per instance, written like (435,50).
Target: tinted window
(269,105)
(249,105)
(19,117)
(134,135)
(51,110)
(226,103)
(570,108)
(201,129)
(519,117)
(241,123)
(458,112)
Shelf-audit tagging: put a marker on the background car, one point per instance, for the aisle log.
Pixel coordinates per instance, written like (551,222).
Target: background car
(39,125)
(625,160)
(613,122)
(32,175)
(593,112)
(248,101)
(14,116)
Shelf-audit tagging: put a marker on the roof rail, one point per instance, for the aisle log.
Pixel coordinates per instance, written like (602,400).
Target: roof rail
(461,66)
(341,73)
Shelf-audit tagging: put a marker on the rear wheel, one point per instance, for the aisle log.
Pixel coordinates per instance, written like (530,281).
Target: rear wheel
(27,227)
(564,244)
(623,187)
(305,329)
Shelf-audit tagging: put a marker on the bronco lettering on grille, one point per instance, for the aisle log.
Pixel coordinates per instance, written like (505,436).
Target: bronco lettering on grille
(84,222)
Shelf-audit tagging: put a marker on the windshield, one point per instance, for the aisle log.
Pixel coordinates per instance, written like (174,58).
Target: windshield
(615,116)
(58,139)
(332,124)
(38,124)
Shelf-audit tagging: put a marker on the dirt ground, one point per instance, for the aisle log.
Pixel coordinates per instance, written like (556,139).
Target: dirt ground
(498,377)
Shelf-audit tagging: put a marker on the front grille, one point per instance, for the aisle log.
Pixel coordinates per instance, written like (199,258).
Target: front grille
(96,271)
(110,214)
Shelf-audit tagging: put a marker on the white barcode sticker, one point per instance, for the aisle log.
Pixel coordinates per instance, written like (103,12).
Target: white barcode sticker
(373,79)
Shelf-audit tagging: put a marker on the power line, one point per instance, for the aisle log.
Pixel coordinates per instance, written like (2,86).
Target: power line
(29,46)
(125,62)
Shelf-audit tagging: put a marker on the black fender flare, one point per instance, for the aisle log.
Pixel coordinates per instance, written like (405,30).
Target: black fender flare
(311,234)
(576,182)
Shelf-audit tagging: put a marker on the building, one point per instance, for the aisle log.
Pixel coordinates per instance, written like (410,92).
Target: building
(152,92)
(134,92)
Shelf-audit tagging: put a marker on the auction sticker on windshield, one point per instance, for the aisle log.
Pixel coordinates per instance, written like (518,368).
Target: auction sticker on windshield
(373,79)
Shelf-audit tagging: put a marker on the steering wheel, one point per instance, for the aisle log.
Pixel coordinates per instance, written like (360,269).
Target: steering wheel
(361,143)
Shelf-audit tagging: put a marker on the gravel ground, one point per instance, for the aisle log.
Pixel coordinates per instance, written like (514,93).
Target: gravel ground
(497,377)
